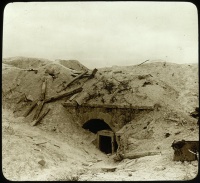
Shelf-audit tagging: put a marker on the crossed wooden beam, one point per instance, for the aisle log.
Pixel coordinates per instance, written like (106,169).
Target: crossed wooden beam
(42,99)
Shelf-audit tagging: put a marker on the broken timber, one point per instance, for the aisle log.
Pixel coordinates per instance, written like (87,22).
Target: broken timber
(35,70)
(38,110)
(143,62)
(35,122)
(57,97)
(93,73)
(112,106)
(44,86)
(76,78)
(31,108)
(139,155)
(51,99)
(39,102)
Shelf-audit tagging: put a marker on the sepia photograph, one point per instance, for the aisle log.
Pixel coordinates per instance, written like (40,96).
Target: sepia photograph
(100,91)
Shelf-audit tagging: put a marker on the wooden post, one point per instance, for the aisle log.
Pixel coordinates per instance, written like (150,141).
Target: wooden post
(112,144)
(76,78)
(98,141)
(31,108)
(93,73)
(44,86)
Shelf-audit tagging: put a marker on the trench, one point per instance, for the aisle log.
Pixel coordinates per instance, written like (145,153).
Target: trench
(105,137)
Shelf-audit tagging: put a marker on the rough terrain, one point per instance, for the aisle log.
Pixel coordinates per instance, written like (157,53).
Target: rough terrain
(66,148)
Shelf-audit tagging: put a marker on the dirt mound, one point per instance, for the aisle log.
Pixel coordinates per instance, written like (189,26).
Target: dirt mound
(170,89)
(25,63)
(148,85)
(72,64)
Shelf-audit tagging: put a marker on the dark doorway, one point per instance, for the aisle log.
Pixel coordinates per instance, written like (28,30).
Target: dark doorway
(105,144)
(95,125)
(105,141)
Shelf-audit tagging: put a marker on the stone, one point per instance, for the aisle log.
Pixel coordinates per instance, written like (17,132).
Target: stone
(109,169)
(41,162)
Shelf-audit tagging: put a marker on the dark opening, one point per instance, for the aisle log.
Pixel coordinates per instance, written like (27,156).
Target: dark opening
(105,144)
(95,125)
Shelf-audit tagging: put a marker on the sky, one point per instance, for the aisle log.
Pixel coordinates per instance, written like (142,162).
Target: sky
(102,34)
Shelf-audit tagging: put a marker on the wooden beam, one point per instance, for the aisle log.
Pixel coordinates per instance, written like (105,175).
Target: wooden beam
(112,106)
(139,154)
(31,108)
(38,110)
(143,62)
(35,122)
(76,78)
(57,97)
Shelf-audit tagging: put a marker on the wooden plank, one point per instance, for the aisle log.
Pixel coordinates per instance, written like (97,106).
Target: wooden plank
(44,86)
(143,62)
(31,108)
(140,154)
(111,106)
(38,110)
(57,97)
(35,122)
(76,78)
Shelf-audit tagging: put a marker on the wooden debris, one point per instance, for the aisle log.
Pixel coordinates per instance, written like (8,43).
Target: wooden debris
(143,62)
(139,155)
(109,169)
(75,75)
(35,70)
(93,73)
(36,149)
(57,97)
(40,143)
(75,79)
(31,108)
(86,151)
(44,86)
(35,122)
(172,119)
(111,106)
(38,110)
(56,145)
